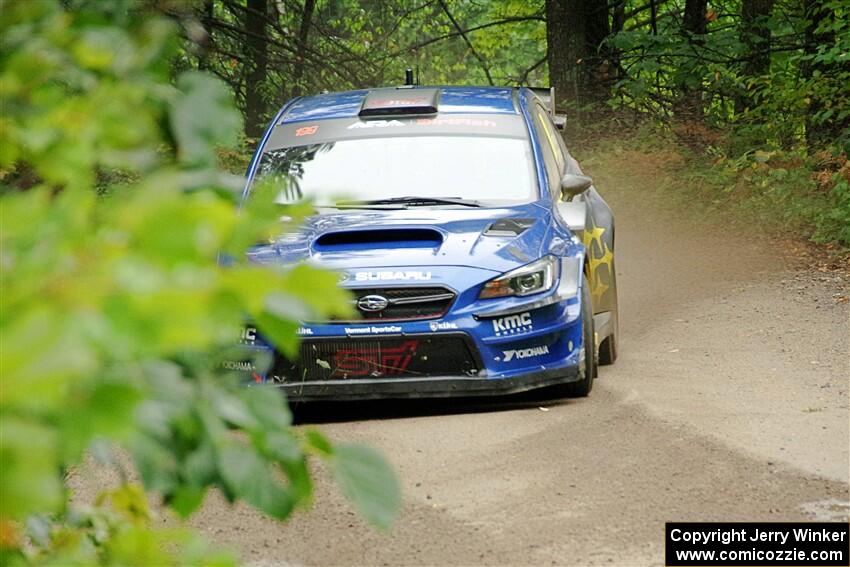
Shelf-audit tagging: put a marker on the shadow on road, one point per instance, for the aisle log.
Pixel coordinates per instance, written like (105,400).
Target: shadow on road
(334,412)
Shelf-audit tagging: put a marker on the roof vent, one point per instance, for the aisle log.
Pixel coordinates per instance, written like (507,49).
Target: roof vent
(397,102)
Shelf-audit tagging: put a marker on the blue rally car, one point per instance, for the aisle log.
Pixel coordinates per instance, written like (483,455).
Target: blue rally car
(480,259)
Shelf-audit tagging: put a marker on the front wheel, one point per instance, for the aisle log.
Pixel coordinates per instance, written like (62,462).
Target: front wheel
(587,360)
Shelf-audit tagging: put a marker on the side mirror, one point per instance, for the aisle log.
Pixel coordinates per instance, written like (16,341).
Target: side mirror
(572,184)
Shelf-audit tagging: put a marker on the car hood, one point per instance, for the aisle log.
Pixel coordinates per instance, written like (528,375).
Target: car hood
(493,239)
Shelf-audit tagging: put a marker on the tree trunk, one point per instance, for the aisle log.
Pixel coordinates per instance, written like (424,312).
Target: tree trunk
(688,107)
(575,30)
(301,53)
(618,21)
(598,70)
(694,22)
(205,46)
(653,17)
(822,132)
(256,62)
(565,44)
(755,35)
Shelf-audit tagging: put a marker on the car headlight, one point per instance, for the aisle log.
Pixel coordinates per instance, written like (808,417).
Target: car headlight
(536,277)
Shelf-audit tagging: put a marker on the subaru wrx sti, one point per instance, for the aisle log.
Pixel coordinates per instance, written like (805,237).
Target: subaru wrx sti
(479,258)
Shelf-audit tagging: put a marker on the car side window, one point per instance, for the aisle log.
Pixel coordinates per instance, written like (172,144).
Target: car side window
(548,146)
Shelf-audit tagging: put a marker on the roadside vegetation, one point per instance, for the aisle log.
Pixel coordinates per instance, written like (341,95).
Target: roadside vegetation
(788,193)
(802,195)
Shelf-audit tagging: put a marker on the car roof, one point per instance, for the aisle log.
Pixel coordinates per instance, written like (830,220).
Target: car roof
(453,100)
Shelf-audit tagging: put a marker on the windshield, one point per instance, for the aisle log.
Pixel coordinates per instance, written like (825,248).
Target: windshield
(491,170)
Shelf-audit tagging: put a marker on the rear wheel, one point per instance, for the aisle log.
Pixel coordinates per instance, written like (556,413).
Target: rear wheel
(587,363)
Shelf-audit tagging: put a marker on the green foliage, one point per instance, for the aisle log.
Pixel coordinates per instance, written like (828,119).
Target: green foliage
(785,192)
(196,124)
(357,44)
(770,106)
(116,311)
(802,88)
(364,479)
(784,189)
(115,531)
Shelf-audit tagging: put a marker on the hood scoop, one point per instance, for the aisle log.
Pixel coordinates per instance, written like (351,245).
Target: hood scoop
(508,227)
(378,239)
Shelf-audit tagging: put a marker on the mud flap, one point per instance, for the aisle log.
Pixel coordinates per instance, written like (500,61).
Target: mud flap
(603,324)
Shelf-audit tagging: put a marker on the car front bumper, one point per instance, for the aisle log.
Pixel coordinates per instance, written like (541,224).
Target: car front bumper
(463,354)
(426,387)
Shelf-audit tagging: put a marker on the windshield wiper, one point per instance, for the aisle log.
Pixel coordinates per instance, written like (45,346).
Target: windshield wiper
(409,202)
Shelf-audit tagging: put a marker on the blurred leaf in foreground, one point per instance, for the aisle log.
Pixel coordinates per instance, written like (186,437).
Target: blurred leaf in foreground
(116,307)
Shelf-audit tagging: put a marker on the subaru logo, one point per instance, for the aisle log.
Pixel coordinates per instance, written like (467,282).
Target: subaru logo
(372,303)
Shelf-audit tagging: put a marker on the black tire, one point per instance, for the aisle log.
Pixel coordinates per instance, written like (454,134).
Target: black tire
(582,387)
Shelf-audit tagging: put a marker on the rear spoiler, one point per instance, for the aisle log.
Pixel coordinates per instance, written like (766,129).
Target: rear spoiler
(547,97)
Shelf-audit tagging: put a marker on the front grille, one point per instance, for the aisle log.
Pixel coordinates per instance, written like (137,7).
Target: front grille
(396,357)
(406,303)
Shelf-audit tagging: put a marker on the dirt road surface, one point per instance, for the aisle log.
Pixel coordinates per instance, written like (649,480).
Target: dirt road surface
(729,402)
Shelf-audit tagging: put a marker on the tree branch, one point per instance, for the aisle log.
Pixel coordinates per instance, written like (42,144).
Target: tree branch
(503,21)
(468,43)
(523,78)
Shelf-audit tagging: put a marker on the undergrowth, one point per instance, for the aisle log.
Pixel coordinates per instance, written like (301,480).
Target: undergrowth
(778,189)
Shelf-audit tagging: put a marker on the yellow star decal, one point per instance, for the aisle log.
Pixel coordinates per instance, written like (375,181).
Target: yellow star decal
(599,289)
(592,234)
(606,259)
(598,255)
